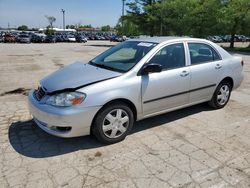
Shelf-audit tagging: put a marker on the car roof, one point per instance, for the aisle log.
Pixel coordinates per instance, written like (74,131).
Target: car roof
(157,39)
(167,38)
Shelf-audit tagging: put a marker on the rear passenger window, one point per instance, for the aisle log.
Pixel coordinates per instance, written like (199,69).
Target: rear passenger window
(201,53)
(169,57)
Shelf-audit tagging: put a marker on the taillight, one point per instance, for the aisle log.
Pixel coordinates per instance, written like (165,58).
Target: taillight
(242,63)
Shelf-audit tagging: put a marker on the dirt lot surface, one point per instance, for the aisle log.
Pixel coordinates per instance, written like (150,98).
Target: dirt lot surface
(192,147)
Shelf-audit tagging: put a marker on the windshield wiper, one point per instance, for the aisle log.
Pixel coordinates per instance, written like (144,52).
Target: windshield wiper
(105,66)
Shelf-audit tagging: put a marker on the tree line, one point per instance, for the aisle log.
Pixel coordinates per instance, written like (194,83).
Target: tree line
(197,18)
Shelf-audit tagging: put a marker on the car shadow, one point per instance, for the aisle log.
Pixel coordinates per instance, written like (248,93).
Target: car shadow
(170,117)
(29,140)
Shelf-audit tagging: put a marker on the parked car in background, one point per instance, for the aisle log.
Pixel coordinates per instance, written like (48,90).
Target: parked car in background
(215,39)
(116,39)
(227,38)
(92,37)
(81,38)
(38,38)
(134,80)
(241,38)
(24,38)
(1,38)
(60,38)
(9,38)
(70,38)
(50,39)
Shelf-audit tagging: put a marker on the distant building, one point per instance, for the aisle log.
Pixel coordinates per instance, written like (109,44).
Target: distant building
(59,30)
(89,29)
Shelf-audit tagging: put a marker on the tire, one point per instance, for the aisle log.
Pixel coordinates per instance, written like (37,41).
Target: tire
(113,123)
(221,95)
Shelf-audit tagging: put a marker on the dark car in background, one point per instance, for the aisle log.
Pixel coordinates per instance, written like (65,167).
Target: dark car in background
(60,38)
(38,38)
(24,38)
(227,38)
(116,39)
(50,39)
(1,38)
(81,38)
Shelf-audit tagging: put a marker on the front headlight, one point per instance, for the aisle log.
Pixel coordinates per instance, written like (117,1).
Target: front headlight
(66,99)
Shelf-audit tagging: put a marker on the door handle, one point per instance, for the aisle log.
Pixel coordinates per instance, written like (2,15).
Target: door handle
(218,66)
(184,73)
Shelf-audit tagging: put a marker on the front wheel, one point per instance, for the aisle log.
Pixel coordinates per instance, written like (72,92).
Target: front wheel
(113,123)
(221,95)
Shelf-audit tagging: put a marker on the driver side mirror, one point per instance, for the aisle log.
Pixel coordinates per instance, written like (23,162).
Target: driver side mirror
(151,68)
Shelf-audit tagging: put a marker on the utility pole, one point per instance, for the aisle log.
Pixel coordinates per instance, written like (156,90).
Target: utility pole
(63,11)
(161,26)
(123,5)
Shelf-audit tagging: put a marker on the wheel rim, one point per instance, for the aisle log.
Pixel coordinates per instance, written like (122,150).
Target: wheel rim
(115,124)
(223,95)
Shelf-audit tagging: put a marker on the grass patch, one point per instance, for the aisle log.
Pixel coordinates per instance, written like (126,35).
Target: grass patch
(237,49)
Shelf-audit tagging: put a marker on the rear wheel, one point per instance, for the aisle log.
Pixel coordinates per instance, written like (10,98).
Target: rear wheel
(113,123)
(221,95)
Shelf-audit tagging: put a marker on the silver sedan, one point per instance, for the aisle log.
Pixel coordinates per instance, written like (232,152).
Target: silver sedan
(134,80)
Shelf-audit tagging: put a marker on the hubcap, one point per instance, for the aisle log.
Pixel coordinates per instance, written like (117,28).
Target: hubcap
(223,95)
(115,123)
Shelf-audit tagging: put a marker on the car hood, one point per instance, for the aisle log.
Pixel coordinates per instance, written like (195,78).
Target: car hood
(75,76)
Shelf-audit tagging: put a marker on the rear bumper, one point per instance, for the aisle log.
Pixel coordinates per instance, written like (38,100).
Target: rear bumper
(76,120)
(238,80)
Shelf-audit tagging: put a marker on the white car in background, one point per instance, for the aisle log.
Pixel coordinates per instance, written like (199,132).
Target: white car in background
(71,38)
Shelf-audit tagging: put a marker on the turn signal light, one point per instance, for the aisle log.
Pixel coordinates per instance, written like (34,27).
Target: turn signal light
(77,100)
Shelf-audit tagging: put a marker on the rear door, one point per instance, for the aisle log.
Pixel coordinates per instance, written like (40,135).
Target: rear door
(206,68)
(169,88)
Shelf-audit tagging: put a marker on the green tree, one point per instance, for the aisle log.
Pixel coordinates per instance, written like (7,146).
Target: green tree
(85,26)
(51,20)
(176,16)
(198,18)
(235,18)
(70,26)
(128,28)
(106,28)
(22,28)
(49,30)
(144,14)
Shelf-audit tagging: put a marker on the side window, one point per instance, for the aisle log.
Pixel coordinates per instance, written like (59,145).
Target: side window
(171,56)
(201,53)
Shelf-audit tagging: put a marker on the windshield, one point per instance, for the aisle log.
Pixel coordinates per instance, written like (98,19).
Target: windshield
(124,56)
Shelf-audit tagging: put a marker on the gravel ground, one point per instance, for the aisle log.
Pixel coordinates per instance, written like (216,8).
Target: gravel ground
(192,147)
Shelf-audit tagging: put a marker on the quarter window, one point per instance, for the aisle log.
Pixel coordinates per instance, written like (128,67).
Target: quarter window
(169,57)
(201,53)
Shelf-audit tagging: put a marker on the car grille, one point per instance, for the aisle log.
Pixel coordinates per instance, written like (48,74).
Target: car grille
(39,93)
